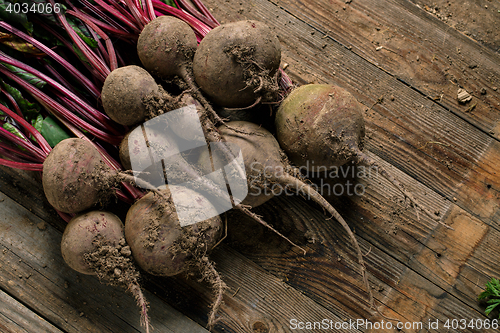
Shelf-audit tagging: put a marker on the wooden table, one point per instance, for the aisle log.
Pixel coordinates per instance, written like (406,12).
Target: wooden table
(405,66)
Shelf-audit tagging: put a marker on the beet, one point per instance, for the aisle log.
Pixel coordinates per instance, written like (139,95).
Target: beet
(166,46)
(236,64)
(123,92)
(269,172)
(322,125)
(75,178)
(161,246)
(94,243)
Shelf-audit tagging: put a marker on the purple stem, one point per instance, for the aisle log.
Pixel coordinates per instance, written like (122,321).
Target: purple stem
(86,82)
(16,154)
(98,12)
(20,120)
(111,54)
(12,101)
(14,139)
(69,46)
(115,31)
(204,10)
(285,81)
(101,52)
(60,111)
(86,110)
(193,11)
(21,165)
(137,12)
(150,12)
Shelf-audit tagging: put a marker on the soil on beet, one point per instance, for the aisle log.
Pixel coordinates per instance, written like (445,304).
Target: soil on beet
(112,263)
(160,245)
(262,81)
(236,65)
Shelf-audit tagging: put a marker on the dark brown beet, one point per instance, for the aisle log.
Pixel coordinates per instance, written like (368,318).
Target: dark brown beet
(268,169)
(236,64)
(162,247)
(320,124)
(123,92)
(75,178)
(80,234)
(158,242)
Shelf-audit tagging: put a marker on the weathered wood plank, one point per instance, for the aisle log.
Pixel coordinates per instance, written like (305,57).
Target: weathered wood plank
(25,188)
(405,286)
(411,131)
(33,272)
(464,17)
(16,318)
(31,256)
(415,47)
(255,300)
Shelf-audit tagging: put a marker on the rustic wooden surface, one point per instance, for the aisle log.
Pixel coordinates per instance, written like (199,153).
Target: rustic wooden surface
(405,64)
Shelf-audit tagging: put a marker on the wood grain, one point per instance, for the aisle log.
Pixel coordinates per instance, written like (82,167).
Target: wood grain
(413,132)
(16,318)
(33,272)
(415,47)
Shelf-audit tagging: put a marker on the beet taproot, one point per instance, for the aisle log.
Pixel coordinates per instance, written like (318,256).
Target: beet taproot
(94,243)
(161,246)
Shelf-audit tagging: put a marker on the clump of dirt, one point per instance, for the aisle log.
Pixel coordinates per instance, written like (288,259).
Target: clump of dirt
(113,263)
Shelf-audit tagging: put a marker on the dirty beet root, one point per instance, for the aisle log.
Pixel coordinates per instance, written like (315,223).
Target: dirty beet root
(123,91)
(266,167)
(94,243)
(75,177)
(236,64)
(166,47)
(161,246)
(323,125)
(157,105)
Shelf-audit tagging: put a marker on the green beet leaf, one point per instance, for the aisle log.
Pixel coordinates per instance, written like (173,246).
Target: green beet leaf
(53,132)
